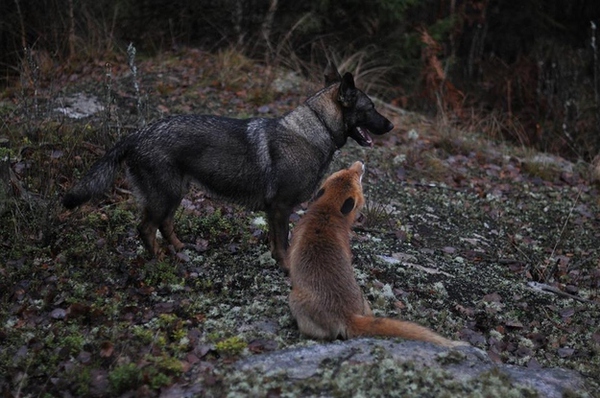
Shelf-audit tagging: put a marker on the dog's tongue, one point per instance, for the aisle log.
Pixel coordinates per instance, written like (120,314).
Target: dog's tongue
(365,137)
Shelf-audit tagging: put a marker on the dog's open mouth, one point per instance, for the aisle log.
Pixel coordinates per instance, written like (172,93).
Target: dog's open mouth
(361,136)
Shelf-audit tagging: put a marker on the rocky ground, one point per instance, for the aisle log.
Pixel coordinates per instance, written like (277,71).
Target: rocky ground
(479,240)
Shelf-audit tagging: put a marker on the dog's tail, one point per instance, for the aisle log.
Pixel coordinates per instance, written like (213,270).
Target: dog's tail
(373,326)
(100,176)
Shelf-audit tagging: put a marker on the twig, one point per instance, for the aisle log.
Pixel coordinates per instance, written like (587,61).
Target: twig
(389,106)
(564,226)
(428,270)
(432,185)
(542,287)
(353,351)
(131,61)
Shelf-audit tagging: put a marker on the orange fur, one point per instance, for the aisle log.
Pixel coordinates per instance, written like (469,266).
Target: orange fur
(326,300)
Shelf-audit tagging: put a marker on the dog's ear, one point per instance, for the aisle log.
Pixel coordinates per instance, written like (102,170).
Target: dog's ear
(347,94)
(331,74)
(348,81)
(348,206)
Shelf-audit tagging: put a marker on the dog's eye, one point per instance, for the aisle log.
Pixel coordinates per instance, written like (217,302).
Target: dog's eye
(368,108)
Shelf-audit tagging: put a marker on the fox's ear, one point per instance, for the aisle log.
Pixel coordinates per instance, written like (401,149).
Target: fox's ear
(359,168)
(319,193)
(348,206)
(331,74)
(347,93)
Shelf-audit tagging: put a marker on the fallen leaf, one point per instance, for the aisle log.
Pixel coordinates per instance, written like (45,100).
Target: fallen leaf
(492,298)
(77,309)
(174,391)
(468,311)
(164,308)
(183,257)
(274,392)
(523,352)
(98,382)
(58,313)
(185,366)
(513,324)
(84,357)
(567,312)
(20,354)
(565,352)
(473,337)
(495,357)
(203,349)
(192,359)
(106,349)
(162,109)
(534,364)
(262,345)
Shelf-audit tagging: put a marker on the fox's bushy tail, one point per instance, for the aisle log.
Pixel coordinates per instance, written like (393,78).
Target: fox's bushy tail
(99,177)
(373,326)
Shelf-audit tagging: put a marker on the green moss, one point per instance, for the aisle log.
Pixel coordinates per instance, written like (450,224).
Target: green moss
(450,357)
(161,273)
(73,342)
(124,377)
(170,365)
(159,380)
(231,347)
(80,380)
(179,334)
(5,153)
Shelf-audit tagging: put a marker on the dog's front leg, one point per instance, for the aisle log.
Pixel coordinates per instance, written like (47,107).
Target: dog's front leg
(279,226)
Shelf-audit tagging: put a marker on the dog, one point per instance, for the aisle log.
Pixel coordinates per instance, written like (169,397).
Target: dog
(269,164)
(326,300)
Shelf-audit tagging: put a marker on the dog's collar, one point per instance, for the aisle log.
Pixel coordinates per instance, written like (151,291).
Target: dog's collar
(337,144)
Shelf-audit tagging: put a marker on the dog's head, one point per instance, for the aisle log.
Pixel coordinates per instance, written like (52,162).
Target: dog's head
(360,117)
(343,191)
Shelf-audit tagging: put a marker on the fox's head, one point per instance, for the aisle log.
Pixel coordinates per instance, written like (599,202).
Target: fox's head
(358,111)
(342,191)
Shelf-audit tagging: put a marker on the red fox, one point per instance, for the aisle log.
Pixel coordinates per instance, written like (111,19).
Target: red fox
(326,300)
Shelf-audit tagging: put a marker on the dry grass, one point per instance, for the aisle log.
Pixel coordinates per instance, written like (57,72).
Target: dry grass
(369,69)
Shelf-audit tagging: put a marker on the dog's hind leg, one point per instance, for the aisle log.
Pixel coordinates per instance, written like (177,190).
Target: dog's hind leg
(167,231)
(147,230)
(159,218)
(278,217)
(161,191)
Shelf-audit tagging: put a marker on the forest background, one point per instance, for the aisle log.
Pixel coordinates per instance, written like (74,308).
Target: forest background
(524,70)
